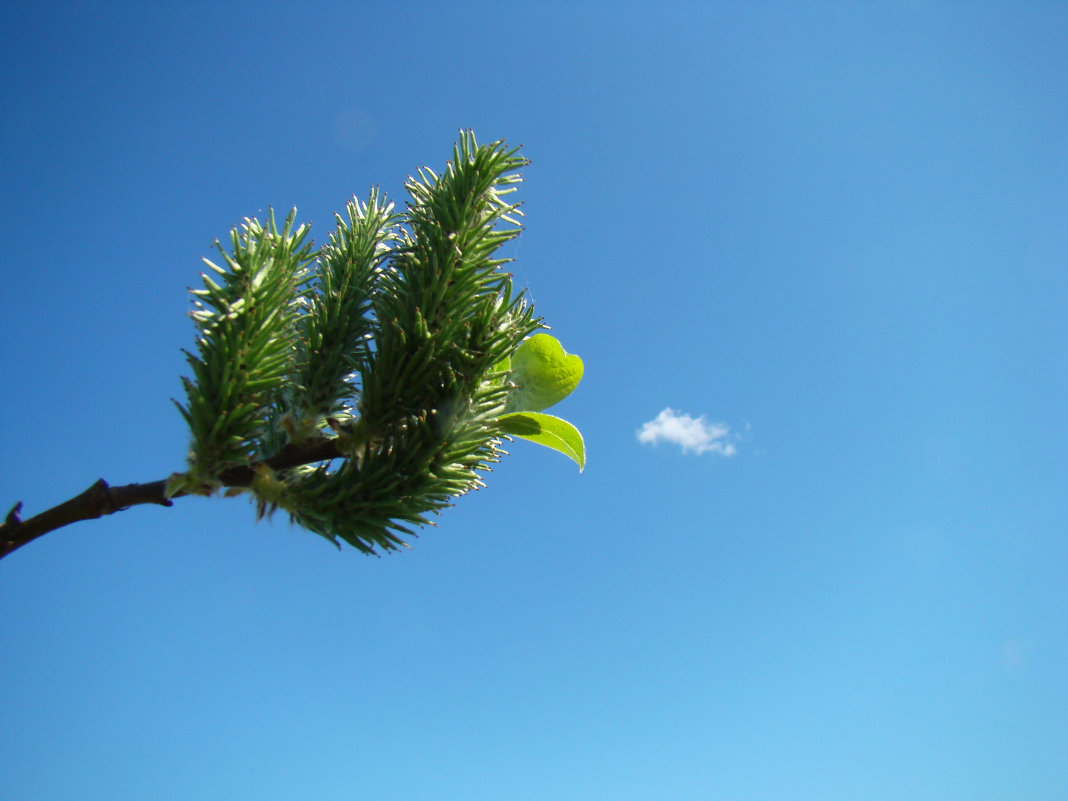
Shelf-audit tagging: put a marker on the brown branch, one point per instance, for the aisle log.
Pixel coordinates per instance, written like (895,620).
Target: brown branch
(103,499)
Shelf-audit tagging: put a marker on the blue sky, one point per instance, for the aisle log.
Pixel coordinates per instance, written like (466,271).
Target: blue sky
(829,237)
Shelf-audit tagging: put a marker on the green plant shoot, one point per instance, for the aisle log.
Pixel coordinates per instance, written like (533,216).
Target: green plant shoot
(364,385)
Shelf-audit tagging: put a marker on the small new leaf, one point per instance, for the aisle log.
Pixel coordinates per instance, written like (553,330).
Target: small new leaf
(544,374)
(547,430)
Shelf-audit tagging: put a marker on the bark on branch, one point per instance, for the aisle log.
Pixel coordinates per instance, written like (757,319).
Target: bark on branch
(103,499)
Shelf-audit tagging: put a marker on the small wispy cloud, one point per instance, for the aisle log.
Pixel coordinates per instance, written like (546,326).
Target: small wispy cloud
(691,433)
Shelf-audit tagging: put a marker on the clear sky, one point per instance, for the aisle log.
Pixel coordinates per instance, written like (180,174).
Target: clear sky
(814,258)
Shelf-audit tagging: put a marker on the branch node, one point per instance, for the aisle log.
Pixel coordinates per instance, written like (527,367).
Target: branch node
(13,518)
(100,493)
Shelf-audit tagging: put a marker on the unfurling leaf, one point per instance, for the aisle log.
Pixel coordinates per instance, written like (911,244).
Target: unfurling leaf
(544,374)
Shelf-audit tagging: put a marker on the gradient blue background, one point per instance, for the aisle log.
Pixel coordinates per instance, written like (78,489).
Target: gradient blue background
(839,228)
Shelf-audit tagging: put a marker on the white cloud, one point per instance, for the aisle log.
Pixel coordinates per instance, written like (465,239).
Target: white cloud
(692,434)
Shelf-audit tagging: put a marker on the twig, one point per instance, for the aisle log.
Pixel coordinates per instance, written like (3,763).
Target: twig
(102,499)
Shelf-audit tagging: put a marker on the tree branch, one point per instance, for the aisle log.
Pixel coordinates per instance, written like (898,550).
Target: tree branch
(102,499)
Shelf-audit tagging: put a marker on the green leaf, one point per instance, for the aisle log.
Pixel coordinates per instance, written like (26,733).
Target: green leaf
(544,374)
(547,430)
